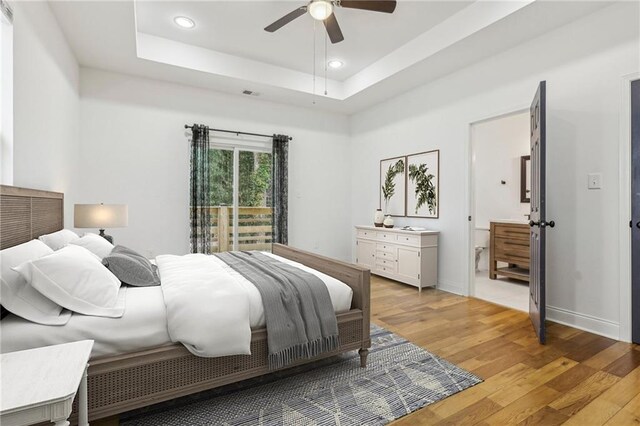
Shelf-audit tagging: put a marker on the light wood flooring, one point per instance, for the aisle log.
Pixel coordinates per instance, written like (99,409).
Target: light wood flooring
(577,378)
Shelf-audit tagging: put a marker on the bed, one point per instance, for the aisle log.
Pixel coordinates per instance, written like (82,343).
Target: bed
(126,381)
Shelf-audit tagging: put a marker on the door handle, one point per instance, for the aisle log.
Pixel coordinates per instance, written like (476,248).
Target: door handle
(638,225)
(550,224)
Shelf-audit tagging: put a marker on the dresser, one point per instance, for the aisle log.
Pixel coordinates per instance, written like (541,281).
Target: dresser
(410,257)
(509,243)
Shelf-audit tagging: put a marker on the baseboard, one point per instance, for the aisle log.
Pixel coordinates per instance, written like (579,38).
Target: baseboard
(450,287)
(584,322)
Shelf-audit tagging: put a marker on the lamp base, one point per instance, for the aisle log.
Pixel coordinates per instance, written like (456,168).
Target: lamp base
(106,237)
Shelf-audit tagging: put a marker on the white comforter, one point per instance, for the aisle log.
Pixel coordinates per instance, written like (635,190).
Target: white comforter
(211,308)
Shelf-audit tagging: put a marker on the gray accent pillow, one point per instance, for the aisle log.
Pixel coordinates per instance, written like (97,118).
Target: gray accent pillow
(131,267)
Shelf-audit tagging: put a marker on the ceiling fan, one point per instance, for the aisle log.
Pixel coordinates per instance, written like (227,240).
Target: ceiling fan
(322,10)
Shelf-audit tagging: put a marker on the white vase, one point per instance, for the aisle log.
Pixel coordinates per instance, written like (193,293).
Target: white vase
(378,218)
(388,222)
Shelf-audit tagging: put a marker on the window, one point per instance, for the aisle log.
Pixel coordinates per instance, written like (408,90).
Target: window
(240,176)
(6,94)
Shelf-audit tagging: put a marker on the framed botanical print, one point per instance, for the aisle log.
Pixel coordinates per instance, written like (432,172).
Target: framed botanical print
(392,186)
(423,178)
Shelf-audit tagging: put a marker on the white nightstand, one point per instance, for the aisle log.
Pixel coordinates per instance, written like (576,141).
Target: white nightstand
(38,385)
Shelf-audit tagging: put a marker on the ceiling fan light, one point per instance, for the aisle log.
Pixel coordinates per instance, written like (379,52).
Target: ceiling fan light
(320,9)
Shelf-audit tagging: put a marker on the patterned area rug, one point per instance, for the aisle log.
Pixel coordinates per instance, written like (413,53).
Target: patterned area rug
(400,378)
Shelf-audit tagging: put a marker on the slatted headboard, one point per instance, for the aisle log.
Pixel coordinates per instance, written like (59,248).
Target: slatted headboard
(26,214)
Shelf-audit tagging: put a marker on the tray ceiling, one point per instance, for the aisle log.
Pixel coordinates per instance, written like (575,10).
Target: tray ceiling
(229,51)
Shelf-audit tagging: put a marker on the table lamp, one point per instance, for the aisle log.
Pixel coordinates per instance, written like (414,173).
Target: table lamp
(101,216)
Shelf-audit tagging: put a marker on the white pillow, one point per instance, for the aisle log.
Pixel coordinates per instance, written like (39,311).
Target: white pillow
(59,239)
(76,280)
(18,296)
(95,244)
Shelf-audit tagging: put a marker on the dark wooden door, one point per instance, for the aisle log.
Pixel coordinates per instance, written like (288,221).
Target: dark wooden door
(538,222)
(635,211)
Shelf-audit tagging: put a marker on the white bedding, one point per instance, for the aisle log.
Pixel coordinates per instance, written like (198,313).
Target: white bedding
(144,323)
(201,289)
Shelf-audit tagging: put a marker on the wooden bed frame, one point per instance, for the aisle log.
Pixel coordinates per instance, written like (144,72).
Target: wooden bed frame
(125,382)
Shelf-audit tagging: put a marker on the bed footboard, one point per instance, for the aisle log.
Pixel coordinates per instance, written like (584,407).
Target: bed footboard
(354,276)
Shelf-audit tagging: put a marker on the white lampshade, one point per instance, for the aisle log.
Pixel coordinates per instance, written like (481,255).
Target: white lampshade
(320,9)
(100,216)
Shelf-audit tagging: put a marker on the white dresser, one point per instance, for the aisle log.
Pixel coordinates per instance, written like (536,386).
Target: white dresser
(410,257)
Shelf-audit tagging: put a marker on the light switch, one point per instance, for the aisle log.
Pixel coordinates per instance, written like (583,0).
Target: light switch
(595,180)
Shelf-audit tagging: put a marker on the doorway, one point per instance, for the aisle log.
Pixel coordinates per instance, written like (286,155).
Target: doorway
(241,205)
(629,232)
(635,211)
(500,207)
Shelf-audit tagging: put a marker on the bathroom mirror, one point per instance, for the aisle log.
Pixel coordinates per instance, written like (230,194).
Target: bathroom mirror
(525,179)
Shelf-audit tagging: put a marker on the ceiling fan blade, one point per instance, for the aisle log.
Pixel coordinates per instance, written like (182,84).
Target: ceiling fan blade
(373,5)
(286,19)
(333,29)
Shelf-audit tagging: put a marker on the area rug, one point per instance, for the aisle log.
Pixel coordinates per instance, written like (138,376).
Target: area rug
(400,378)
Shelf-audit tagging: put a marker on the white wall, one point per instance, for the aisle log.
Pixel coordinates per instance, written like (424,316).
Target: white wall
(496,148)
(135,150)
(583,64)
(46,104)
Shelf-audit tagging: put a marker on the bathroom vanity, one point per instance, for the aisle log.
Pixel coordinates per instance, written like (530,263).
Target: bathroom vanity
(509,243)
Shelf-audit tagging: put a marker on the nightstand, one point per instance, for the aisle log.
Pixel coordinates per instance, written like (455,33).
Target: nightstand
(39,385)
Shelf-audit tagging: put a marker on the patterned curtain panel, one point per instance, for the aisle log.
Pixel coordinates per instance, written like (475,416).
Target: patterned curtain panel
(280,185)
(200,193)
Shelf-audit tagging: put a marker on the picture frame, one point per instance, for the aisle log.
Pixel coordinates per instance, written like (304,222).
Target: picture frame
(525,179)
(392,186)
(423,185)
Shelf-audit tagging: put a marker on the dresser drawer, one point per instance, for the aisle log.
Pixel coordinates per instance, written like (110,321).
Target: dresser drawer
(385,247)
(388,266)
(388,255)
(413,240)
(386,236)
(363,233)
(511,250)
(512,232)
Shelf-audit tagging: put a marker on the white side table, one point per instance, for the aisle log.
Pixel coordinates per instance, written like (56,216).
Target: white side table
(38,385)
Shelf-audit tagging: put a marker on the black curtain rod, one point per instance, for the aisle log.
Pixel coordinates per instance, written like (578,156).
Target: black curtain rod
(186,126)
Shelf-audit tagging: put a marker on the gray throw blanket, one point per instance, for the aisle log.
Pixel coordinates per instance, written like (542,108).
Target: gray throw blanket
(298,311)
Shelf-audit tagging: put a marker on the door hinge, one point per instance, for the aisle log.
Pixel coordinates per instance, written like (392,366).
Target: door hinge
(418,276)
(469,218)
(357,242)
(418,254)
(356,260)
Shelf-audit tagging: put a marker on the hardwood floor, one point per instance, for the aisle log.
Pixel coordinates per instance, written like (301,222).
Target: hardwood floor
(577,378)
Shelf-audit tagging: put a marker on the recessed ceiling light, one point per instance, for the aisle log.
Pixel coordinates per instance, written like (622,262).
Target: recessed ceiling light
(335,64)
(184,22)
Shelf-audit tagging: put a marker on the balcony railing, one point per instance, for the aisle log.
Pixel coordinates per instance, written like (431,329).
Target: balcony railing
(254,228)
